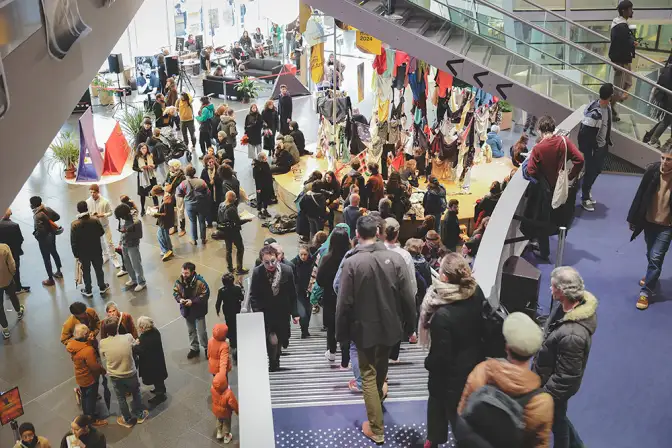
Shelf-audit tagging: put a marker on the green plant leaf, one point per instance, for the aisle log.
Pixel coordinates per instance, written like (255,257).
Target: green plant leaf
(64,150)
(131,121)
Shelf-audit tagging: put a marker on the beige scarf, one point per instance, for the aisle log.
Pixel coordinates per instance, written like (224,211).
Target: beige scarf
(438,295)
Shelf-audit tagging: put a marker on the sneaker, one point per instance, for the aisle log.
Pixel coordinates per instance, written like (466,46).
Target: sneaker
(316,309)
(157,400)
(193,354)
(167,256)
(21,312)
(394,361)
(5,333)
(106,259)
(182,232)
(654,144)
(140,287)
(172,231)
(86,293)
(377,439)
(145,415)
(105,289)
(642,302)
(121,273)
(413,339)
(203,241)
(242,271)
(642,282)
(48,282)
(227,438)
(331,357)
(219,436)
(58,274)
(194,242)
(23,290)
(352,385)
(116,263)
(130,283)
(587,205)
(122,422)
(99,423)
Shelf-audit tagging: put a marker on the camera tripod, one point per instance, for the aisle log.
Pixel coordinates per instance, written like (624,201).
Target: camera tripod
(181,77)
(123,102)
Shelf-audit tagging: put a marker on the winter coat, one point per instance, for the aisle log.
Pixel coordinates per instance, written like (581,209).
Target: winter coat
(664,80)
(228,217)
(69,325)
(158,109)
(399,197)
(302,273)
(215,185)
(285,112)
(10,234)
(231,184)
(263,180)
(290,147)
(126,326)
(590,127)
(354,177)
(350,216)
(376,303)
(224,402)
(299,140)
(138,163)
(83,355)
(450,230)
(142,136)
(374,191)
(218,350)
(253,125)
(495,142)
(158,150)
(41,218)
(284,160)
(229,301)
(132,232)
(547,157)
(314,205)
(622,47)
(456,330)
(150,357)
(204,116)
(195,192)
(561,361)
(648,187)
(41,443)
(185,109)
(271,119)
(196,290)
(174,180)
(7,266)
(85,234)
(228,125)
(515,381)
(486,206)
(434,201)
(277,309)
(93,439)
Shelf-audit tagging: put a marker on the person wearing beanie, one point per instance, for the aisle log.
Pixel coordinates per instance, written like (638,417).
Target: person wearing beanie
(513,377)
(29,439)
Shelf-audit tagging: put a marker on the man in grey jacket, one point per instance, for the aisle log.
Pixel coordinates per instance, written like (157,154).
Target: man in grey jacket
(131,232)
(375,309)
(562,359)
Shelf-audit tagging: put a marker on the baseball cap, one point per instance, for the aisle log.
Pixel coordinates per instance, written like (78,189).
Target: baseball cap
(268,241)
(391,223)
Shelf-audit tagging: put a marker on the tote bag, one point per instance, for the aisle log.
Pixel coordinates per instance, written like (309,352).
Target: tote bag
(561,191)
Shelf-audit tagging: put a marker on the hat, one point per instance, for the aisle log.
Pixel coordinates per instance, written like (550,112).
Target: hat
(523,336)
(268,241)
(393,224)
(625,4)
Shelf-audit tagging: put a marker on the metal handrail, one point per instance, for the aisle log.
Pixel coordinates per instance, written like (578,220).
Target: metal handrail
(573,45)
(585,28)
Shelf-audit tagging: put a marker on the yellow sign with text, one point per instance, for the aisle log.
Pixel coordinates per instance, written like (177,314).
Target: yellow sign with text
(367,43)
(317,62)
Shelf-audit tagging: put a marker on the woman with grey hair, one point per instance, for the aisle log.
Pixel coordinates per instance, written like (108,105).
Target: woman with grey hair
(151,360)
(568,335)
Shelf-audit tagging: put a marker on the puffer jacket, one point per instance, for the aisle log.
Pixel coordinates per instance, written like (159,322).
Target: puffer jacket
(218,350)
(495,142)
(562,359)
(83,355)
(228,125)
(224,402)
(515,381)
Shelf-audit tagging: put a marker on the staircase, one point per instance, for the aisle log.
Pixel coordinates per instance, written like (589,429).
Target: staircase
(306,378)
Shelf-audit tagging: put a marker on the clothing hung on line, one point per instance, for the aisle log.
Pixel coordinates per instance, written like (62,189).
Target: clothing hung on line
(444,82)
(481,122)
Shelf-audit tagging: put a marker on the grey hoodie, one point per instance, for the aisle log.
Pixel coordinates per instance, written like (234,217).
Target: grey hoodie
(228,125)
(133,232)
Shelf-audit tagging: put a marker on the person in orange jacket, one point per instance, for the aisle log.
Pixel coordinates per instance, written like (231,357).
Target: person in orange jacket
(224,403)
(218,351)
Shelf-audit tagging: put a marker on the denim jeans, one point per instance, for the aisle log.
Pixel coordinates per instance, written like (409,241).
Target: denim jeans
(89,399)
(47,244)
(196,214)
(594,158)
(164,240)
(305,310)
(133,264)
(197,332)
(564,433)
(657,239)
(354,360)
(122,386)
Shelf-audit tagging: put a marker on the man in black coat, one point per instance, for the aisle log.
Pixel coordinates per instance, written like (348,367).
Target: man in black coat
(230,225)
(622,52)
(284,109)
(85,234)
(10,234)
(273,292)
(450,226)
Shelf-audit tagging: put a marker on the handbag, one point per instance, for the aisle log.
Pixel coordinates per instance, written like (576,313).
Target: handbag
(561,191)
(55,227)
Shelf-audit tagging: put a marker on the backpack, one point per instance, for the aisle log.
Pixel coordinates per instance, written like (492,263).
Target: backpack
(492,419)
(195,194)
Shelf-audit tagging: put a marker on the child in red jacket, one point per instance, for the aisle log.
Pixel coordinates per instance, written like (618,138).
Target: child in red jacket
(224,403)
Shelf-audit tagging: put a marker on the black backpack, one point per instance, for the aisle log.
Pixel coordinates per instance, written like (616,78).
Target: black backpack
(492,419)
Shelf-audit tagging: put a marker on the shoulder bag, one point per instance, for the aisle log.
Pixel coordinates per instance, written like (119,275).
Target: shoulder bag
(561,191)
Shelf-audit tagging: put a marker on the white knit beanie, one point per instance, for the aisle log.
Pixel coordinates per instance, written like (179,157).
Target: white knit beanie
(522,334)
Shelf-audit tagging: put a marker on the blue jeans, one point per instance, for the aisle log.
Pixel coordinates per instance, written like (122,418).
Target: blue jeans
(196,214)
(89,399)
(197,332)
(564,433)
(133,264)
(164,240)
(131,385)
(657,239)
(305,310)
(354,360)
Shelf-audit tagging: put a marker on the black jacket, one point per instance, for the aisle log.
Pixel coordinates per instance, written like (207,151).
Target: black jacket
(142,136)
(272,120)
(263,180)
(229,301)
(94,439)
(158,150)
(228,216)
(277,309)
(456,330)
(622,48)
(303,270)
(151,360)
(299,141)
(231,184)
(41,224)
(434,202)
(10,234)
(665,80)
(561,361)
(314,205)
(253,125)
(590,127)
(85,234)
(285,112)
(450,230)
(216,188)
(648,187)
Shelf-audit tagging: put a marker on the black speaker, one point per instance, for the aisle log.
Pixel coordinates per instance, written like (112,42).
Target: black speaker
(199,42)
(172,66)
(116,63)
(520,286)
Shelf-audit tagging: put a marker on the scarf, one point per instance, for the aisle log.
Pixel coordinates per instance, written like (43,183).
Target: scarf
(438,295)
(275,278)
(31,444)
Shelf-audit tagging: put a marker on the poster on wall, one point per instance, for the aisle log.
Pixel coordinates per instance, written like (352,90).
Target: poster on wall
(63,26)
(4,91)
(360,82)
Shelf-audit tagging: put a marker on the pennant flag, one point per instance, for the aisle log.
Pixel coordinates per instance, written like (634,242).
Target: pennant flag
(367,43)
(317,62)
(117,150)
(90,160)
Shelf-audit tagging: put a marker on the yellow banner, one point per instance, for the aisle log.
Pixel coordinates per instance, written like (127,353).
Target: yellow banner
(317,62)
(367,43)
(305,11)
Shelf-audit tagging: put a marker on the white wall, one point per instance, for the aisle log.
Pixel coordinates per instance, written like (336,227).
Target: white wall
(44,91)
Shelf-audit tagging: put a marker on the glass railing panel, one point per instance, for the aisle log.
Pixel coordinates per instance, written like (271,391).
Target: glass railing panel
(596,4)
(520,5)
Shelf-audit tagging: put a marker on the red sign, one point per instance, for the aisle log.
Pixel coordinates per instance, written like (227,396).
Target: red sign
(11,407)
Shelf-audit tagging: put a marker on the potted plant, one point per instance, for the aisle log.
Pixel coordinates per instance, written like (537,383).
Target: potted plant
(131,121)
(65,151)
(507,115)
(97,84)
(248,88)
